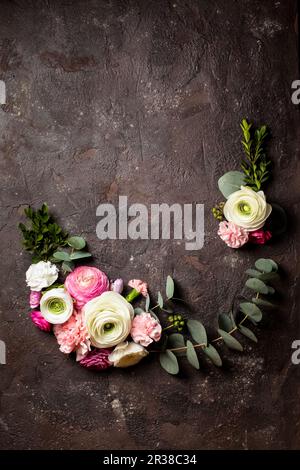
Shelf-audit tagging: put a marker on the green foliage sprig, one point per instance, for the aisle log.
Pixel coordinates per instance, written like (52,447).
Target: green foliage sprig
(256,165)
(195,338)
(44,236)
(46,240)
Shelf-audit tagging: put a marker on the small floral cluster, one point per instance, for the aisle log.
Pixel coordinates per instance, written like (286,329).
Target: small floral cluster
(90,317)
(246,212)
(243,216)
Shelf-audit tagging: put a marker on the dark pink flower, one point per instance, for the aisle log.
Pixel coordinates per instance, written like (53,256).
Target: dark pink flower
(259,237)
(97,359)
(40,321)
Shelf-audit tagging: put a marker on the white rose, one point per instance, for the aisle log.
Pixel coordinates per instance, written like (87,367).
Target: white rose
(41,275)
(127,354)
(247,208)
(108,319)
(56,306)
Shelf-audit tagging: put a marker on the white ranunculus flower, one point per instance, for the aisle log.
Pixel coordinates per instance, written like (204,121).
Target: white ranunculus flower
(56,306)
(108,319)
(247,208)
(41,275)
(127,354)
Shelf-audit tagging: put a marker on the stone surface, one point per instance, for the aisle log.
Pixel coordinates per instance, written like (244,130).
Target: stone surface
(144,99)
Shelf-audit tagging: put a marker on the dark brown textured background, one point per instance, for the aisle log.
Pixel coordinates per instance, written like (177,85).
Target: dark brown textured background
(144,98)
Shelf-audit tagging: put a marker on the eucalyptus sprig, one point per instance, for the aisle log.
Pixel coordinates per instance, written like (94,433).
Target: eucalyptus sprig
(256,166)
(266,271)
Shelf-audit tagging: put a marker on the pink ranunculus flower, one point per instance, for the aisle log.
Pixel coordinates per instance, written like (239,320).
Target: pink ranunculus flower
(40,321)
(145,329)
(34,298)
(139,286)
(97,359)
(259,237)
(85,283)
(233,235)
(73,336)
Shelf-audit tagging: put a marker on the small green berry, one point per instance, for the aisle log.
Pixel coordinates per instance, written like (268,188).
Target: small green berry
(176,323)
(179,317)
(181,323)
(170,318)
(179,329)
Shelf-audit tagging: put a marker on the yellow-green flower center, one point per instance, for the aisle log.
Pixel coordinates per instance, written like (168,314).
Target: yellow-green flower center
(108,327)
(244,208)
(56,306)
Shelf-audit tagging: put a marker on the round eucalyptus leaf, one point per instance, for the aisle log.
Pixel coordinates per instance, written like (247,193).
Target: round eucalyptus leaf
(213,355)
(265,265)
(169,362)
(251,310)
(248,333)
(192,355)
(230,341)
(197,331)
(231,182)
(61,256)
(257,285)
(76,242)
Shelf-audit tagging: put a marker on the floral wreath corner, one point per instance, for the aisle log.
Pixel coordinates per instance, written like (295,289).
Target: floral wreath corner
(246,217)
(93,317)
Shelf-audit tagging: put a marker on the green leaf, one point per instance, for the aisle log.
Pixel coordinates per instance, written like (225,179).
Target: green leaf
(263,303)
(253,273)
(147,305)
(269,276)
(264,265)
(231,182)
(213,355)
(225,322)
(230,341)
(67,266)
(61,256)
(138,311)
(76,242)
(169,362)
(271,290)
(248,333)
(169,287)
(197,331)
(79,255)
(251,310)
(257,285)
(153,315)
(176,340)
(192,355)
(160,300)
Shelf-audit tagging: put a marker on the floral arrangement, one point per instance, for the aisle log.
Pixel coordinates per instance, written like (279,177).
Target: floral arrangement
(101,322)
(245,216)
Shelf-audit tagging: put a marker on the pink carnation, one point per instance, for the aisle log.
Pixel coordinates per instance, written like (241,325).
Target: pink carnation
(34,298)
(233,235)
(97,359)
(145,329)
(73,336)
(40,321)
(85,283)
(140,286)
(259,237)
